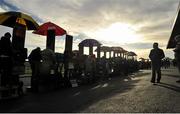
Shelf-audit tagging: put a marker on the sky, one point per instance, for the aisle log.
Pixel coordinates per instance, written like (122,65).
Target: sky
(131,24)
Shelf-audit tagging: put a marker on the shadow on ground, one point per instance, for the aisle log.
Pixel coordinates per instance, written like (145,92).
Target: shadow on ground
(169,86)
(72,99)
(171,75)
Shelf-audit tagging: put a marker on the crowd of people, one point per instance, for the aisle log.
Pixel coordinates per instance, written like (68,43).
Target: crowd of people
(10,59)
(88,69)
(50,68)
(84,69)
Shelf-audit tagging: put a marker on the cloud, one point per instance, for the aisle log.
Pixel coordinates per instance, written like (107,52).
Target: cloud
(139,45)
(93,14)
(4,29)
(79,37)
(154,18)
(7,6)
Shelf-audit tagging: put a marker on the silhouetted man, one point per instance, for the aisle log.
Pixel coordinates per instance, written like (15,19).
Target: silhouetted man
(156,55)
(34,60)
(6,59)
(177,53)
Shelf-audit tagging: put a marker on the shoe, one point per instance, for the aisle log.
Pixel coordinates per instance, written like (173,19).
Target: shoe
(158,81)
(152,81)
(178,81)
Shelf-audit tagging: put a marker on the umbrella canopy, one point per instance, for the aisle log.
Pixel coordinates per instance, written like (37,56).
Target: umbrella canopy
(10,18)
(117,49)
(142,58)
(42,30)
(89,42)
(131,53)
(104,48)
(125,51)
(175,30)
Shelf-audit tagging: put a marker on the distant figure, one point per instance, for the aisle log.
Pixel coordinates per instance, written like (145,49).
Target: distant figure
(34,60)
(177,53)
(6,59)
(156,55)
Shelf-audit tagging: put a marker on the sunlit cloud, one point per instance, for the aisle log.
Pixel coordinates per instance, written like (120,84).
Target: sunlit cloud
(132,24)
(117,32)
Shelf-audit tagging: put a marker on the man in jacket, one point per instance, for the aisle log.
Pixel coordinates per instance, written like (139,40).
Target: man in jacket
(34,60)
(177,53)
(6,59)
(156,55)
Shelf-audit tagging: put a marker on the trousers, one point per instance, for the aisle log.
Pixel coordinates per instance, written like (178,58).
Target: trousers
(154,73)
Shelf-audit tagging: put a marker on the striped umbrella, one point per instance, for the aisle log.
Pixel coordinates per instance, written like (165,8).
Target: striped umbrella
(11,18)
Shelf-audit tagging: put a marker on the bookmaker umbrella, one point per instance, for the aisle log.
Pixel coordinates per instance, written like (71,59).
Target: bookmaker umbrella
(43,29)
(10,19)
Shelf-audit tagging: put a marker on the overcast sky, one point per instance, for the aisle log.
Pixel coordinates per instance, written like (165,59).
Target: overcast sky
(131,24)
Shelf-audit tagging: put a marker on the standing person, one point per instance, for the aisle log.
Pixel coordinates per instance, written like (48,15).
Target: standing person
(34,60)
(48,61)
(177,53)
(156,55)
(6,59)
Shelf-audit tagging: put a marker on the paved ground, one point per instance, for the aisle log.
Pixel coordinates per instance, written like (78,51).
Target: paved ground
(120,94)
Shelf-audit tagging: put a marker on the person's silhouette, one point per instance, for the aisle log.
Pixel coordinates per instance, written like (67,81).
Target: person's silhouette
(177,53)
(34,60)
(156,55)
(6,59)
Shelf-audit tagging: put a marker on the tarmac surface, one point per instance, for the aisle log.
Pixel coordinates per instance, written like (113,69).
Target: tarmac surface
(133,93)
